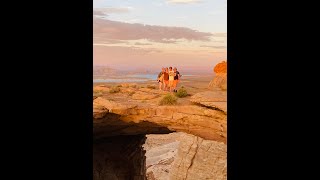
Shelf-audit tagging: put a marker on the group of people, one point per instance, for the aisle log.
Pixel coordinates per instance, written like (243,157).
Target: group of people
(168,79)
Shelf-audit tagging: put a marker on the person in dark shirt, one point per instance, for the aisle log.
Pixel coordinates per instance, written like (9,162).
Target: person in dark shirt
(166,79)
(176,79)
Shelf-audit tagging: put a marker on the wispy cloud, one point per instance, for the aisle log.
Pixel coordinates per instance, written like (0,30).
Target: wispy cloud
(142,44)
(98,13)
(117,10)
(215,47)
(108,41)
(220,34)
(183,1)
(107,29)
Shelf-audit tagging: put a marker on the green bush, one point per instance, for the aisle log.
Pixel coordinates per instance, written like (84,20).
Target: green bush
(114,89)
(151,87)
(168,99)
(182,92)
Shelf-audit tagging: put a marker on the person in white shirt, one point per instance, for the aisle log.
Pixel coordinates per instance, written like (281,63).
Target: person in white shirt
(171,78)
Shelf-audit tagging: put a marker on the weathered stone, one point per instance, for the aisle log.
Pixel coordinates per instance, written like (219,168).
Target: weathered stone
(101,88)
(214,99)
(133,119)
(199,159)
(220,79)
(144,96)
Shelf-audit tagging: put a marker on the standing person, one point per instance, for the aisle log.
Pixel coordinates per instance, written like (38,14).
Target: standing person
(160,79)
(171,78)
(166,79)
(176,79)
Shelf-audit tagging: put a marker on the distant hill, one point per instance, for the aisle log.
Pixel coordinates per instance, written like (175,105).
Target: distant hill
(103,72)
(108,72)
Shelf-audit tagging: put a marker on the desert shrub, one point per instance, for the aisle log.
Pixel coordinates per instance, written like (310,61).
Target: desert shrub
(119,85)
(168,99)
(131,93)
(134,86)
(151,87)
(142,86)
(182,92)
(114,89)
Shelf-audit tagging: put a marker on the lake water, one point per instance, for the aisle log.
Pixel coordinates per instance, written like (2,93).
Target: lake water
(131,78)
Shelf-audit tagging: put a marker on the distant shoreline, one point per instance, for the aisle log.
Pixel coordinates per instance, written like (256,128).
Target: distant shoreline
(135,78)
(145,78)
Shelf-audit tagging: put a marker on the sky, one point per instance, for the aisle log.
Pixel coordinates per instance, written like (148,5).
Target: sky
(150,34)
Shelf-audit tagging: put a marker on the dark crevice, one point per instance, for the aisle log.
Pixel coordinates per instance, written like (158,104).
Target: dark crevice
(210,107)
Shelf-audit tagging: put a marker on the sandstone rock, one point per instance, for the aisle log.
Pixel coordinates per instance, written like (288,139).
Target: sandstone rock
(128,90)
(133,85)
(101,88)
(125,85)
(144,96)
(160,159)
(220,67)
(199,159)
(220,79)
(150,176)
(99,111)
(145,89)
(134,118)
(112,106)
(213,96)
(215,99)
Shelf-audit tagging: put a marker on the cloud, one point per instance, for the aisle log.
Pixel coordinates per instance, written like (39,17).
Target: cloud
(142,44)
(117,10)
(108,41)
(98,13)
(220,34)
(167,41)
(107,29)
(215,47)
(183,1)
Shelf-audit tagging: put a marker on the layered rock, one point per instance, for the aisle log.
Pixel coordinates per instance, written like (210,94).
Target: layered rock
(131,118)
(213,99)
(220,79)
(199,159)
(122,120)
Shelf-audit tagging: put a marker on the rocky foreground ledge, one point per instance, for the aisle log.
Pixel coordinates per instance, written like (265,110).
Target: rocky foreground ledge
(134,111)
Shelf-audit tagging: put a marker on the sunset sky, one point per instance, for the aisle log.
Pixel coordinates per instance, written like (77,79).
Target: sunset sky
(149,34)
